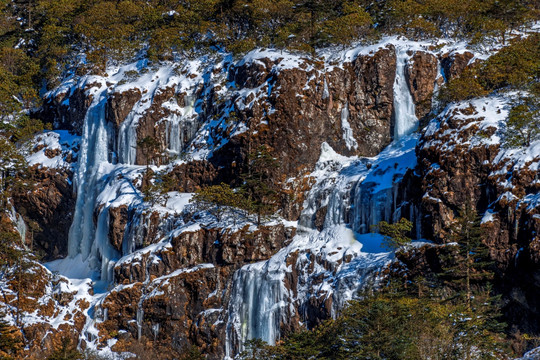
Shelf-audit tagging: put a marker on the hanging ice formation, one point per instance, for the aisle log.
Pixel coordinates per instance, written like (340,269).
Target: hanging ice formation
(86,241)
(356,198)
(405,121)
(104,156)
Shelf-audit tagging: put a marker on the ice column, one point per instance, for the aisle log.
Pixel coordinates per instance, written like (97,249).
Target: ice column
(405,121)
(85,239)
(257,305)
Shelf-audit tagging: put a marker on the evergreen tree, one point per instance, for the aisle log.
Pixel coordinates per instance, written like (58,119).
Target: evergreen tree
(471,263)
(150,149)
(66,351)
(259,185)
(523,125)
(12,164)
(218,198)
(395,235)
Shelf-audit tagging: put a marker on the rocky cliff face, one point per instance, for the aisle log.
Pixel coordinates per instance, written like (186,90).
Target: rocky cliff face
(463,162)
(168,274)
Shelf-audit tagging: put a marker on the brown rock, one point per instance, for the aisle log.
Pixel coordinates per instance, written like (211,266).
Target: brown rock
(118,218)
(49,205)
(421,74)
(454,64)
(119,105)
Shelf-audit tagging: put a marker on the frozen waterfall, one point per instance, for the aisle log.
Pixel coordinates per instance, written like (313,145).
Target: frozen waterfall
(93,165)
(360,193)
(405,121)
(257,288)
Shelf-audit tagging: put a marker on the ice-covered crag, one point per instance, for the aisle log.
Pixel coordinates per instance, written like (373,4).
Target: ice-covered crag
(165,273)
(333,254)
(329,260)
(466,159)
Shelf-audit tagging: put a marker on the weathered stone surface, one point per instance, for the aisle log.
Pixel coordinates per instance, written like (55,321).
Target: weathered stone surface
(174,312)
(67,110)
(50,205)
(459,173)
(304,114)
(118,219)
(454,64)
(421,74)
(119,105)
(169,297)
(221,247)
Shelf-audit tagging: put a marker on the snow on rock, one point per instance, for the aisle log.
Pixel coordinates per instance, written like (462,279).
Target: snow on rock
(53,149)
(485,117)
(332,264)
(332,254)
(534,354)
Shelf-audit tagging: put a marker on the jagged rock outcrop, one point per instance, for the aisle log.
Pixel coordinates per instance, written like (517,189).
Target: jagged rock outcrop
(463,162)
(66,109)
(118,219)
(43,311)
(454,64)
(179,294)
(312,105)
(421,74)
(221,247)
(173,288)
(120,104)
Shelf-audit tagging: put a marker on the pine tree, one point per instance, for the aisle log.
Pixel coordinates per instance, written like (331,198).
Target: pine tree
(395,235)
(149,147)
(523,125)
(471,264)
(217,199)
(12,164)
(66,351)
(259,185)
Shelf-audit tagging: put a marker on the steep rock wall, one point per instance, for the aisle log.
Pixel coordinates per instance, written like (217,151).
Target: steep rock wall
(464,162)
(178,291)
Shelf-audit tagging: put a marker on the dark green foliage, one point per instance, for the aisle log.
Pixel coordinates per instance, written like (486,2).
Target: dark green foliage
(393,325)
(516,66)
(395,235)
(470,263)
(55,32)
(218,198)
(66,351)
(523,125)
(464,87)
(12,168)
(192,353)
(259,183)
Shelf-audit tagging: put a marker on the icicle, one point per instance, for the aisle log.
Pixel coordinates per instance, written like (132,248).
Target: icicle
(21,227)
(348,136)
(140,317)
(326,92)
(102,251)
(256,307)
(127,140)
